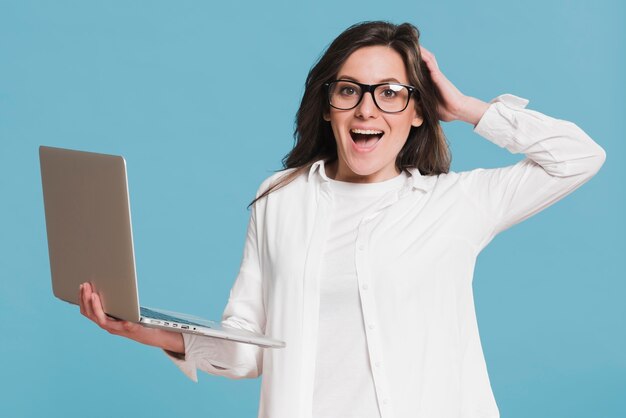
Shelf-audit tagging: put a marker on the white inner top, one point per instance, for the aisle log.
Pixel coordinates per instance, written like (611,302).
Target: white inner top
(344,386)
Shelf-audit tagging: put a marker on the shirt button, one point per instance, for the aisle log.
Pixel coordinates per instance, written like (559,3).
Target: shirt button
(377,364)
(365,286)
(371,325)
(361,247)
(385,401)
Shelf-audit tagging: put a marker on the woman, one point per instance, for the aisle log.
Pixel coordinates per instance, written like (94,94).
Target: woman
(360,254)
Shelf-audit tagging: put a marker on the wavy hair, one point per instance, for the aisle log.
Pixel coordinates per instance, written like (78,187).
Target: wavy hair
(426,147)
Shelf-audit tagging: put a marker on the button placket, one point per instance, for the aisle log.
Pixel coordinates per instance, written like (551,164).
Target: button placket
(369,318)
(311,300)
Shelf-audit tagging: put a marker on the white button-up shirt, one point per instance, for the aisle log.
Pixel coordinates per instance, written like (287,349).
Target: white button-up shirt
(415,257)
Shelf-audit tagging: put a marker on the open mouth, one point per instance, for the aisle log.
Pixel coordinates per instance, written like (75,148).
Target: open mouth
(366,138)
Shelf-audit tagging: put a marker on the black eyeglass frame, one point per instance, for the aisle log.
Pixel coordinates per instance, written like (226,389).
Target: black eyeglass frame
(370,88)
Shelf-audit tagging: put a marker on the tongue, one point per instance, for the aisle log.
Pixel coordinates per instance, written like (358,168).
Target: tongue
(366,141)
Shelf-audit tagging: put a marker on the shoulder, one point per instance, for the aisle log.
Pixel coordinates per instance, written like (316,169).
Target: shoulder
(444,184)
(287,187)
(274,180)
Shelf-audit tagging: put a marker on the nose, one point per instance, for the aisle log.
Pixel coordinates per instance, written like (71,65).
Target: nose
(367,108)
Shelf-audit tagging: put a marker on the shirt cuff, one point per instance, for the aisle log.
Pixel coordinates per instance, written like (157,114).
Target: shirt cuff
(186,363)
(500,121)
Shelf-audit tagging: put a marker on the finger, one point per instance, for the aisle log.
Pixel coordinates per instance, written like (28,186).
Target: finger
(81,305)
(101,317)
(429,58)
(425,51)
(98,312)
(107,323)
(87,292)
(83,299)
(426,54)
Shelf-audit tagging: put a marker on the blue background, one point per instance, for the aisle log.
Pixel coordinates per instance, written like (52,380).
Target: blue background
(200,98)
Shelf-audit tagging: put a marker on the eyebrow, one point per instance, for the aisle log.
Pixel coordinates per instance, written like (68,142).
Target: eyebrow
(385,80)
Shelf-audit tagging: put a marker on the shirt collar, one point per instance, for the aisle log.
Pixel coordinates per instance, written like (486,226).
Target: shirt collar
(415,181)
(318,166)
(421,182)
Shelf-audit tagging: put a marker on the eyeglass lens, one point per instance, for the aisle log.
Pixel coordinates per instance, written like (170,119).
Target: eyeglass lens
(346,95)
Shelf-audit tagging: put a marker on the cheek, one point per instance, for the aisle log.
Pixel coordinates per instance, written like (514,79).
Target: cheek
(337,137)
(402,127)
(338,126)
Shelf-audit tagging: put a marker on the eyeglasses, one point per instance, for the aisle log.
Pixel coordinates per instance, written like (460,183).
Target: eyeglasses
(388,97)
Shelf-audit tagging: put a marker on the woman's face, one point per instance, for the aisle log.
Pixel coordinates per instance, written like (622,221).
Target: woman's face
(370,159)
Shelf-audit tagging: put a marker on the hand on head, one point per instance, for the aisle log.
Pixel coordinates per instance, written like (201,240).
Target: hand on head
(453,101)
(453,105)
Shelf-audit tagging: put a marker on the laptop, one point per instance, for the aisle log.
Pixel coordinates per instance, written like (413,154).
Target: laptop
(90,239)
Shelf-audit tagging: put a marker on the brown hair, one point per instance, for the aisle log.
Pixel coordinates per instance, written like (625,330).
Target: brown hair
(426,147)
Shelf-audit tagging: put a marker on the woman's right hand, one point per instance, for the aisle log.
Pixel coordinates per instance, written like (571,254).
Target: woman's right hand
(91,307)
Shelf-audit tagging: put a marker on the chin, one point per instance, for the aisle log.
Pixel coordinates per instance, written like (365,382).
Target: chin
(364,170)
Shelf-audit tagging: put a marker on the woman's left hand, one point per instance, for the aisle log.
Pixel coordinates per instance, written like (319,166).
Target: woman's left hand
(454,105)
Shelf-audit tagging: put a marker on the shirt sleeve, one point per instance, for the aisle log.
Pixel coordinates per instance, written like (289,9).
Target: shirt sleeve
(560,157)
(245,310)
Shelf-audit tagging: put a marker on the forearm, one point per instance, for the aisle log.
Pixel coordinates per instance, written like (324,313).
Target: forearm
(560,147)
(560,157)
(471,110)
(166,340)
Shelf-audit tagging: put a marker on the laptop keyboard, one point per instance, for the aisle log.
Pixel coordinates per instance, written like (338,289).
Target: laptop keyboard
(149,313)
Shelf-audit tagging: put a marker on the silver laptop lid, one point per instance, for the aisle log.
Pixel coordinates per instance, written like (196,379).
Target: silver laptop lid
(89,228)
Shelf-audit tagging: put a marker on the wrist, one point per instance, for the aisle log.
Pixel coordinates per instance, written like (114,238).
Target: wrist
(170,341)
(166,340)
(472,110)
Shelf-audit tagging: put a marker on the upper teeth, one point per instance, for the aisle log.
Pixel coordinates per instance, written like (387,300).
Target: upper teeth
(366,131)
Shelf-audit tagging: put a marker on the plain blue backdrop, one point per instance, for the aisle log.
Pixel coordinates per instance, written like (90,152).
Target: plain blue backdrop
(200,98)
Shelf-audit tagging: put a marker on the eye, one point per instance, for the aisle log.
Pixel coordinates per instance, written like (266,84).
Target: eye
(388,93)
(347,91)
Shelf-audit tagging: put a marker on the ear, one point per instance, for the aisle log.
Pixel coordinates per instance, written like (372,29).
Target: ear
(327,116)
(417,121)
